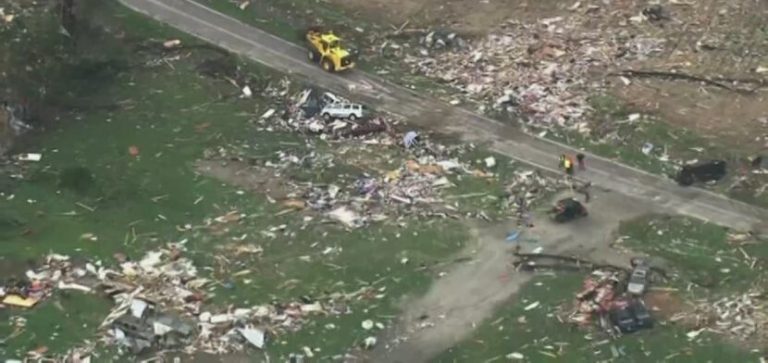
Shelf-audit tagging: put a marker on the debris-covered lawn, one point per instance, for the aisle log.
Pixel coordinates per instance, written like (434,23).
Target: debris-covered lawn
(659,64)
(205,205)
(702,298)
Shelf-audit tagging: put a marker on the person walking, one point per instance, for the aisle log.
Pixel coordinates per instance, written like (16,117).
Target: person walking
(580,158)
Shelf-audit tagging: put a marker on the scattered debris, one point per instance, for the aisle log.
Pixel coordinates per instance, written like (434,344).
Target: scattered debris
(536,70)
(743,316)
(29,157)
(173,43)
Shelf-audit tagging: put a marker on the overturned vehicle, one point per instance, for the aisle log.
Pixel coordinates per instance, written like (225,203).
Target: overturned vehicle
(568,209)
(701,172)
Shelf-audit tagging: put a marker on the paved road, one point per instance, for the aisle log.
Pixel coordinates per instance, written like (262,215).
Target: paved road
(423,111)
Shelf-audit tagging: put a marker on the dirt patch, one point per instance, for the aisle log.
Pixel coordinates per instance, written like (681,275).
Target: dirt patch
(665,304)
(469,16)
(718,114)
(243,175)
(471,292)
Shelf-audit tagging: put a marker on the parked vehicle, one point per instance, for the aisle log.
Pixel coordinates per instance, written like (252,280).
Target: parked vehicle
(349,111)
(631,316)
(639,279)
(624,320)
(642,316)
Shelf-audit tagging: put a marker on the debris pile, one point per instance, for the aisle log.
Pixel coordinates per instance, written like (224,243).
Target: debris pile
(56,273)
(441,40)
(538,70)
(605,298)
(744,316)
(303,114)
(160,304)
(596,297)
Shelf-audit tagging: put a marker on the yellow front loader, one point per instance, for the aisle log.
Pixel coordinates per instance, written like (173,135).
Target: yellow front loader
(326,49)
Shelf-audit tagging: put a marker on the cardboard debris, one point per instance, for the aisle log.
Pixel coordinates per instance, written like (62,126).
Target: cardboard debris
(19,301)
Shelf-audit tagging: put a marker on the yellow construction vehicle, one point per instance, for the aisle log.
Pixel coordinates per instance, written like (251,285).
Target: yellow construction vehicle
(326,48)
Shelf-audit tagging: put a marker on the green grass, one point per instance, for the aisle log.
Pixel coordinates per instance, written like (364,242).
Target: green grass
(694,251)
(690,251)
(542,338)
(87,182)
(289,19)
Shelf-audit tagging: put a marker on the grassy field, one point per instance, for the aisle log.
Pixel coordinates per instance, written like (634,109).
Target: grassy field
(690,251)
(671,145)
(697,252)
(90,184)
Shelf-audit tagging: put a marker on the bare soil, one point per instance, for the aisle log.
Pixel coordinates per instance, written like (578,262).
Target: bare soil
(247,177)
(665,304)
(471,292)
(467,16)
(718,114)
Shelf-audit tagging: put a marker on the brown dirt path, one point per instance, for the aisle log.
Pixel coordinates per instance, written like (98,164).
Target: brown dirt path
(470,293)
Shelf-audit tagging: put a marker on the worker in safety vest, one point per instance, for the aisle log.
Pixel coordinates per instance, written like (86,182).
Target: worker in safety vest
(567,164)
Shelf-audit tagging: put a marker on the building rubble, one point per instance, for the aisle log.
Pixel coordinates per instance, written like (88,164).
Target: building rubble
(536,70)
(160,303)
(413,186)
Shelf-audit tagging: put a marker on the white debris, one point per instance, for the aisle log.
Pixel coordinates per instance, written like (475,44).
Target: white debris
(369,342)
(247,93)
(30,157)
(346,216)
(173,43)
(367,324)
(515,355)
(532,306)
(254,336)
(138,307)
(268,114)
(490,162)
(220,318)
(73,286)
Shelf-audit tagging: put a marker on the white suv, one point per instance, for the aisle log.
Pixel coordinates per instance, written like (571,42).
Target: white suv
(350,111)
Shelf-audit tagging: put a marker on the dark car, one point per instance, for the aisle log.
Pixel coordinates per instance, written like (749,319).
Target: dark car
(702,172)
(642,316)
(568,209)
(624,320)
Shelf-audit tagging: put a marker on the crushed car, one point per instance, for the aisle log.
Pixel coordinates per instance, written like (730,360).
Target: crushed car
(568,209)
(701,172)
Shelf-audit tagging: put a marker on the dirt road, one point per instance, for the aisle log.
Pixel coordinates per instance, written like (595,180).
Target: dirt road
(471,292)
